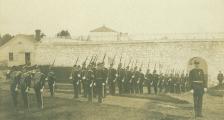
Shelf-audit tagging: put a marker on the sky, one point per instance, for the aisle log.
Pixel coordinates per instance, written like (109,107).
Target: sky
(131,16)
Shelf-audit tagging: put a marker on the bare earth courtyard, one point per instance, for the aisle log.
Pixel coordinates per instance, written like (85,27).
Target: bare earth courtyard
(131,107)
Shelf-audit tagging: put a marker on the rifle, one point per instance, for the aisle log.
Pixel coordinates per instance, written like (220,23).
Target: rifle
(154,66)
(113,60)
(129,62)
(104,58)
(84,63)
(91,60)
(95,59)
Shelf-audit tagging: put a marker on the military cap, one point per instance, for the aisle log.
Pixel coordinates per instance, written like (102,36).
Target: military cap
(196,62)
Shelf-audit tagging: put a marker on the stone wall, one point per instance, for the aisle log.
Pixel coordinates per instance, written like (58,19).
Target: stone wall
(171,55)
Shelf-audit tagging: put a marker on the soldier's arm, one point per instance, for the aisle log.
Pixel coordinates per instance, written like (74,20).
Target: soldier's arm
(204,79)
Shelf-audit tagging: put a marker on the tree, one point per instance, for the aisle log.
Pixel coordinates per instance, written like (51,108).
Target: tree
(63,34)
(5,38)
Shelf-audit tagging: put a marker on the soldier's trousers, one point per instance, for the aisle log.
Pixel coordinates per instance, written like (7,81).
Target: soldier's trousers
(14,97)
(85,87)
(99,92)
(149,89)
(155,88)
(112,88)
(39,97)
(76,89)
(141,88)
(90,93)
(25,98)
(198,97)
(51,88)
(120,88)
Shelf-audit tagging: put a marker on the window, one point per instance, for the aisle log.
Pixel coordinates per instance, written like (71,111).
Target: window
(10,56)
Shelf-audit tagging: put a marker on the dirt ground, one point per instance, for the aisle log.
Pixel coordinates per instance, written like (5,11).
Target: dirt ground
(127,107)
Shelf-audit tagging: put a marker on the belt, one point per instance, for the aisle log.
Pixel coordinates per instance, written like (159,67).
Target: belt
(198,81)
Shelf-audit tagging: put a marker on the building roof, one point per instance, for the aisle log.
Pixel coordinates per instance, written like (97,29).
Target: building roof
(103,29)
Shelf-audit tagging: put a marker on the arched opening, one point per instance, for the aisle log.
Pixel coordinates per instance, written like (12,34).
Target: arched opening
(202,64)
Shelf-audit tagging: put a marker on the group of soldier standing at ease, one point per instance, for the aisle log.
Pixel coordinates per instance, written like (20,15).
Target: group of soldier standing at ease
(24,78)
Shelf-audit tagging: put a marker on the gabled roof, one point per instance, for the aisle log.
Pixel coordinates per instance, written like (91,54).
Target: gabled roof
(103,29)
(21,36)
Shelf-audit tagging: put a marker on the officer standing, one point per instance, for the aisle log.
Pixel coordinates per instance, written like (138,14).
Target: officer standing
(199,86)
(220,78)
(39,81)
(51,78)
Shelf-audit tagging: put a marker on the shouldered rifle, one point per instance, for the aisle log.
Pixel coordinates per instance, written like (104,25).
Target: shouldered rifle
(113,60)
(104,58)
(91,60)
(129,62)
(154,66)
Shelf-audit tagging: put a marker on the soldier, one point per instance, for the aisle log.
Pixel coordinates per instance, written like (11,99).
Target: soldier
(14,81)
(155,78)
(220,78)
(90,83)
(166,83)
(199,86)
(128,74)
(148,80)
(161,82)
(51,78)
(141,81)
(131,81)
(25,84)
(84,81)
(119,78)
(39,82)
(183,81)
(75,77)
(112,79)
(100,76)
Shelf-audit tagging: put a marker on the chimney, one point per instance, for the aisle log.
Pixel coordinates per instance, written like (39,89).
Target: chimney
(37,35)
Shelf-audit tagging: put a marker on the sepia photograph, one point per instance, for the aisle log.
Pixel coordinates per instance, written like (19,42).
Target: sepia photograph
(111,60)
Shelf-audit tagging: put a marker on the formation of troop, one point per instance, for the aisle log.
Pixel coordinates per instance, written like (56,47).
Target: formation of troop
(94,79)
(24,78)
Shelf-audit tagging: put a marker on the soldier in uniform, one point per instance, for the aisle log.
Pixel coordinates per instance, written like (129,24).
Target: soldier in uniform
(148,80)
(111,79)
(155,78)
(90,83)
(199,86)
(14,82)
(141,81)
(220,78)
(128,74)
(119,78)
(84,81)
(166,83)
(51,78)
(75,77)
(39,82)
(25,84)
(161,82)
(99,81)
(131,81)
